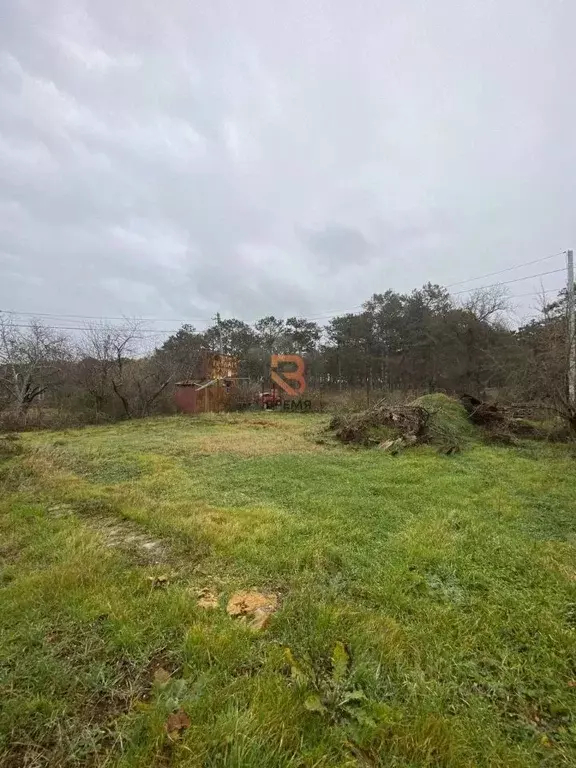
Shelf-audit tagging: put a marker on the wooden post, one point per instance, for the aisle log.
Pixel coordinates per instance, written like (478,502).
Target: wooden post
(571,330)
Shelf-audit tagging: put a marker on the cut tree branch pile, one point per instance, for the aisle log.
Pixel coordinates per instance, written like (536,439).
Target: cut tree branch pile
(502,422)
(436,419)
(367,427)
(480,413)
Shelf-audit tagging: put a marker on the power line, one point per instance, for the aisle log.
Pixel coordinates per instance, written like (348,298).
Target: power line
(507,282)
(310,317)
(161,332)
(104,317)
(59,316)
(88,328)
(470,279)
(455,293)
(535,293)
(508,269)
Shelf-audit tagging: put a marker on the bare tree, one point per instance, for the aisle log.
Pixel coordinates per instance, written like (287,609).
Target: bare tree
(488,303)
(103,352)
(141,385)
(547,348)
(109,370)
(33,360)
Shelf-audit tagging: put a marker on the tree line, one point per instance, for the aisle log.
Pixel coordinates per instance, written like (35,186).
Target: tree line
(420,341)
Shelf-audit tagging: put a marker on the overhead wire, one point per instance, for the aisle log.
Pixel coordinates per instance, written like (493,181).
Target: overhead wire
(535,293)
(508,269)
(508,282)
(165,331)
(332,313)
(87,328)
(457,293)
(471,279)
(105,317)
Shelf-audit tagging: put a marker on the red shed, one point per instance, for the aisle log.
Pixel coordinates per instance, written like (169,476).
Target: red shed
(203,397)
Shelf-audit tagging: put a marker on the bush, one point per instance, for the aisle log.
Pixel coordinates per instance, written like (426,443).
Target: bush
(45,418)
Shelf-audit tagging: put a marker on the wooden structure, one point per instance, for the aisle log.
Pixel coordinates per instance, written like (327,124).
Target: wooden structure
(213,392)
(206,397)
(217,366)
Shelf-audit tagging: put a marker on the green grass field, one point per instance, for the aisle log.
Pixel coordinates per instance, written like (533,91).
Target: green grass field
(426,603)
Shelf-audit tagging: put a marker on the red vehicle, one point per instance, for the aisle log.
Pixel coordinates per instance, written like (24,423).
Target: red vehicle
(269,400)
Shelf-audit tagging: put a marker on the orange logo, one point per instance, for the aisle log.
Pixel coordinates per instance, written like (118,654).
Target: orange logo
(295,375)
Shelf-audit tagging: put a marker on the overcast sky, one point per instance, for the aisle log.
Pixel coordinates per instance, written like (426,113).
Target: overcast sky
(175,158)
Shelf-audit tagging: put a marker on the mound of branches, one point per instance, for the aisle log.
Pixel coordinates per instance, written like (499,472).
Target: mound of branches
(502,424)
(439,420)
(380,422)
(480,413)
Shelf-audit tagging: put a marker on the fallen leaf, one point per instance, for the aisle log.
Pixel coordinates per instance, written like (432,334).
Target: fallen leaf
(161,676)
(176,723)
(207,599)
(158,581)
(572,684)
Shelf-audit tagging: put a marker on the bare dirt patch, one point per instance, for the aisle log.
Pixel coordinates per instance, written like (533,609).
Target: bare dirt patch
(130,538)
(123,535)
(253,608)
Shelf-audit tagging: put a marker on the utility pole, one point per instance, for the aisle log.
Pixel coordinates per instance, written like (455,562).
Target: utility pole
(217,318)
(571,330)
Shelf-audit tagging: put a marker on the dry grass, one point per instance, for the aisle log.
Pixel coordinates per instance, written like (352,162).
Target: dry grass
(256,442)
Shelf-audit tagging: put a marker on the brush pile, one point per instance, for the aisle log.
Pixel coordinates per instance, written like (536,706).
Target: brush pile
(438,420)
(435,419)
(500,423)
(381,423)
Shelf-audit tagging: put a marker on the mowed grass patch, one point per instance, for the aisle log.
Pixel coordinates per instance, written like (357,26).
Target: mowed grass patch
(448,580)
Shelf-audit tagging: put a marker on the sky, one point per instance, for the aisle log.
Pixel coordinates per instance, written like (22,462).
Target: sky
(174,159)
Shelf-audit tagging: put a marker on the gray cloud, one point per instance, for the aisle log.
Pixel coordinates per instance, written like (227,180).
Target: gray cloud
(177,159)
(336,245)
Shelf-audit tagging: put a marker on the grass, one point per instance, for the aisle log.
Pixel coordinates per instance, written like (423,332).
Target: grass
(449,423)
(449,581)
